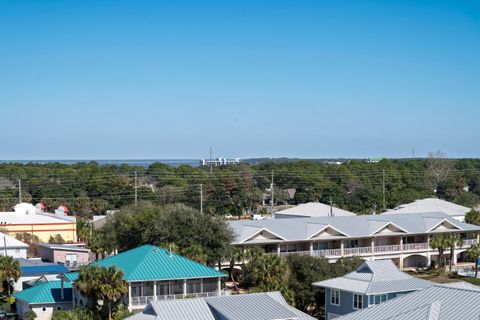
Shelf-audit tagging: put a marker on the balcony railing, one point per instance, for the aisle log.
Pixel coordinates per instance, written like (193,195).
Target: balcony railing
(357,251)
(144,300)
(300,253)
(388,248)
(415,246)
(469,242)
(327,252)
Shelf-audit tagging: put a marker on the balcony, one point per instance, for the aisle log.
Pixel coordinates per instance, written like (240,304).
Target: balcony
(422,246)
(144,300)
(388,248)
(357,251)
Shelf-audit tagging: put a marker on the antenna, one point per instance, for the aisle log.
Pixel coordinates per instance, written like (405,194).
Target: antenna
(413,153)
(170,250)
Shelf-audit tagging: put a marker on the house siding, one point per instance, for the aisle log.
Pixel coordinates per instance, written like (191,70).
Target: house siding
(346,303)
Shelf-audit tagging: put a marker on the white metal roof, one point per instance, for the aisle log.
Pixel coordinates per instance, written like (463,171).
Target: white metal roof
(33,218)
(265,306)
(439,302)
(430,205)
(376,277)
(313,210)
(350,227)
(10,242)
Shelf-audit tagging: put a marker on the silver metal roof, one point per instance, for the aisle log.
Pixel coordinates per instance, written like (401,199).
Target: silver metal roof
(430,205)
(376,277)
(439,302)
(352,226)
(265,306)
(313,210)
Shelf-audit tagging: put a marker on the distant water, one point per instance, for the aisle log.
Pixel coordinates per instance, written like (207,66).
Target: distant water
(138,162)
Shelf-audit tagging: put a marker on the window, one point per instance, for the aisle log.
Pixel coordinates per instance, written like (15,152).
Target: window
(357,301)
(377,299)
(335,297)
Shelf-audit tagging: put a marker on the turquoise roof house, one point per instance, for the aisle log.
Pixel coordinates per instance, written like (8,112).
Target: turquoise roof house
(153,274)
(44,298)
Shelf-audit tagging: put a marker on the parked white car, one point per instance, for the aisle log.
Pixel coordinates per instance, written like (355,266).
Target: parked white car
(257,217)
(228,216)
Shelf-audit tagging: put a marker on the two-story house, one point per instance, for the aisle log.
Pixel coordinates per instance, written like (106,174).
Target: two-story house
(372,283)
(404,238)
(153,274)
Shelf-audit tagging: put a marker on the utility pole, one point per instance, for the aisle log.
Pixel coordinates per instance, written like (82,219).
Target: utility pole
(136,188)
(19,191)
(210,160)
(201,198)
(383,183)
(271,190)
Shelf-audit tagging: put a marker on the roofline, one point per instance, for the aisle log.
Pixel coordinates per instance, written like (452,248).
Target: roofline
(445,219)
(325,227)
(63,278)
(385,225)
(257,232)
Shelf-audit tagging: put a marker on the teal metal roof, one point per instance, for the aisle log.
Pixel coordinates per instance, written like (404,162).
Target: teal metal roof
(47,292)
(150,262)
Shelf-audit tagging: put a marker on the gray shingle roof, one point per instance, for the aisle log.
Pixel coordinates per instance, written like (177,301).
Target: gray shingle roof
(376,277)
(351,226)
(439,302)
(265,306)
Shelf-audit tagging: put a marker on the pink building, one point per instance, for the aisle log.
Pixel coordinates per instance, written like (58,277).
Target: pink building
(70,255)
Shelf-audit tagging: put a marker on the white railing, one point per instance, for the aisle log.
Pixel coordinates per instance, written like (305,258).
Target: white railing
(357,251)
(301,253)
(144,300)
(388,248)
(415,246)
(327,252)
(469,242)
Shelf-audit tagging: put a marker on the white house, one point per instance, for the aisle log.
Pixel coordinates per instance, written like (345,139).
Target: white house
(432,205)
(12,247)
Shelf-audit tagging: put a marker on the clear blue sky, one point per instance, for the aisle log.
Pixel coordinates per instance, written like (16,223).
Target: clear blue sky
(168,79)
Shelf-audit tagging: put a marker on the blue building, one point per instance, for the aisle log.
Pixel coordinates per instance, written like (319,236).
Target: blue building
(372,283)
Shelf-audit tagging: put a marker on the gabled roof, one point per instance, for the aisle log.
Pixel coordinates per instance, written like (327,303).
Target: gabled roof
(265,306)
(150,262)
(430,205)
(376,277)
(10,242)
(47,292)
(63,247)
(313,210)
(352,226)
(439,302)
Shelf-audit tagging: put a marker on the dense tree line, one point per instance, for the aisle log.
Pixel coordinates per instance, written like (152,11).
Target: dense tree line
(88,188)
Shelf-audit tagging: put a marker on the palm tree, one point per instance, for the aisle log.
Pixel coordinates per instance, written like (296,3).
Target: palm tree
(439,241)
(453,240)
(112,287)
(88,282)
(9,270)
(474,252)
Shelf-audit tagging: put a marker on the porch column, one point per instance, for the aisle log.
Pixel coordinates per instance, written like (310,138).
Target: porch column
(454,257)
(401,262)
(154,290)
(201,285)
(342,248)
(401,244)
(73,297)
(478,237)
(373,246)
(62,293)
(184,287)
(278,249)
(311,248)
(130,296)
(219,286)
